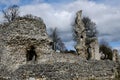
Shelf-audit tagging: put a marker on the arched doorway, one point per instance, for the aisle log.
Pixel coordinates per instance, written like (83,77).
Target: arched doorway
(31,54)
(89,52)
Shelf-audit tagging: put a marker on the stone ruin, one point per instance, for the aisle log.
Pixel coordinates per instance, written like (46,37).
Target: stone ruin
(80,32)
(115,55)
(25,41)
(81,47)
(25,36)
(21,37)
(91,51)
(26,54)
(95,55)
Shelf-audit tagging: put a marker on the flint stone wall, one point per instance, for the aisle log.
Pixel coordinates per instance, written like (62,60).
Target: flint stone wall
(19,35)
(81,35)
(84,70)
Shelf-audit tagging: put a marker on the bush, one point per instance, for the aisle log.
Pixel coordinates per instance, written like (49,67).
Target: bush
(106,50)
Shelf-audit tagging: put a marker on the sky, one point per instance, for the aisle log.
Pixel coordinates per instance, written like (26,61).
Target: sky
(61,14)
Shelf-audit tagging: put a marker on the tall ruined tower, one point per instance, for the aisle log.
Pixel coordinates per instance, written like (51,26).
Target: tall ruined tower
(87,48)
(81,35)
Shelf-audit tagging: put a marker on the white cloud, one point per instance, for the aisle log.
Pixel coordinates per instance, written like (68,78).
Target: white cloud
(53,18)
(107,17)
(9,2)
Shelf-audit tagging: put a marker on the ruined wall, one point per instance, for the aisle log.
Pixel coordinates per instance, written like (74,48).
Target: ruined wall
(83,42)
(95,50)
(83,70)
(16,37)
(81,35)
(19,35)
(115,55)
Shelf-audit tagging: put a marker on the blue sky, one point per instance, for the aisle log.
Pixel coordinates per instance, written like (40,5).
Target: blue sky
(109,2)
(5,3)
(61,13)
(57,1)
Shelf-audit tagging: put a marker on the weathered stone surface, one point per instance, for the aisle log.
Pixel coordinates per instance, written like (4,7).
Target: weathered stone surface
(119,57)
(19,35)
(84,70)
(115,55)
(95,50)
(82,40)
(81,34)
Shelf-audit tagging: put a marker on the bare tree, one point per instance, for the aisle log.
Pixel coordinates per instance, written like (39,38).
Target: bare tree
(57,42)
(11,13)
(54,37)
(90,27)
(61,46)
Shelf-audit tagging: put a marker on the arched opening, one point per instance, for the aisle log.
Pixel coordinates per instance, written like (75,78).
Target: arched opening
(89,53)
(81,37)
(31,54)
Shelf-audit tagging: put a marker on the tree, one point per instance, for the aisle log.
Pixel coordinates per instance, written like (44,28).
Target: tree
(54,37)
(61,45)
(57,42)
(106,50)
(90,27)
(11,13)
